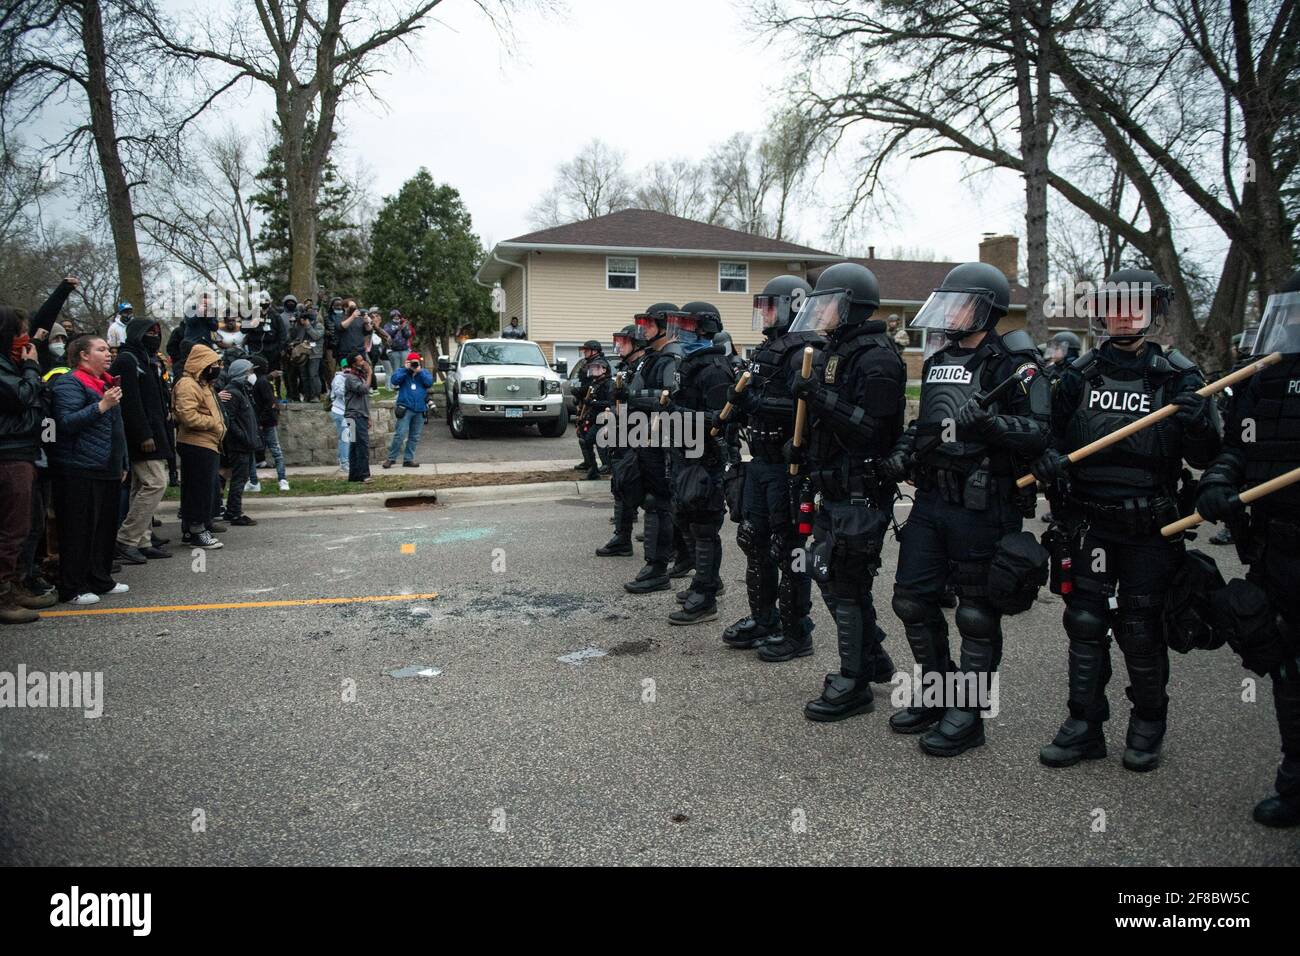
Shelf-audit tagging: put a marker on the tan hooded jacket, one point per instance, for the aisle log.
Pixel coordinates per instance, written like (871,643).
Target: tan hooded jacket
(194,404)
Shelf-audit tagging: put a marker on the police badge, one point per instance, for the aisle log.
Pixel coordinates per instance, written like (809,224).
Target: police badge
(832,364)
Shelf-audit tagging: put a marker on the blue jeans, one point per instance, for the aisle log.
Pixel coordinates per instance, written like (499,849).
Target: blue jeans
(340,427)
(406,432)
(271,441)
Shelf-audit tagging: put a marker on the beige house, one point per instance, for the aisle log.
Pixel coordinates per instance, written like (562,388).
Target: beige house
(585,280)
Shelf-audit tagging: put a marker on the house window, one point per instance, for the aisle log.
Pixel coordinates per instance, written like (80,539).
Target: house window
(620,273)
(733,276)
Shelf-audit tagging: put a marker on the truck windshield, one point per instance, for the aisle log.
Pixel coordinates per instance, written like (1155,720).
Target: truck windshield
(502,353)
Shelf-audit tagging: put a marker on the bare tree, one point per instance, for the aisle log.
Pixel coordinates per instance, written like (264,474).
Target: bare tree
(593,183)
(678,187)
(311,55)
(50,49)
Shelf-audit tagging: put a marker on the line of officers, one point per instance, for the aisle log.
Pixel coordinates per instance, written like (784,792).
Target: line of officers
(988,413)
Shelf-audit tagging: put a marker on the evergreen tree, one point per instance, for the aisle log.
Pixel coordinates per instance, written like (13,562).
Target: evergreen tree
(423,255)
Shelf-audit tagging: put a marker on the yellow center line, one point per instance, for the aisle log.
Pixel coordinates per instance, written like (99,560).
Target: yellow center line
(238,605)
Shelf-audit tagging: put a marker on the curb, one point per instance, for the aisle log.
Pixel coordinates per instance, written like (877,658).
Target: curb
(379,500)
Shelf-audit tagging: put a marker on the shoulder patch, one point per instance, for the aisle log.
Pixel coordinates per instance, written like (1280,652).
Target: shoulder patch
(832,366)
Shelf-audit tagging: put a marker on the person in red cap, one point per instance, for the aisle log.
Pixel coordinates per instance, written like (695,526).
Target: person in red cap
(411,382)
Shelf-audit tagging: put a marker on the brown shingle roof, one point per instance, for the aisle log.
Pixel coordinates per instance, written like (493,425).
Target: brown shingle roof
(644,229)
(908,280)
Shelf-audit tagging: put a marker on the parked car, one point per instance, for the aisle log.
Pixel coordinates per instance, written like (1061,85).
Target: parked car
(503,380)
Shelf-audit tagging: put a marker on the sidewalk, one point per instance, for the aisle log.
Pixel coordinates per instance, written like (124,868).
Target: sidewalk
(434,468)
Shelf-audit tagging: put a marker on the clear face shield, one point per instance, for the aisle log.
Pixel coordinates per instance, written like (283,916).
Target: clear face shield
(648,325)
(1125,310)
(934,341)
(767,312)
(954,312)
(684,329)
(822,311)
(1279,328)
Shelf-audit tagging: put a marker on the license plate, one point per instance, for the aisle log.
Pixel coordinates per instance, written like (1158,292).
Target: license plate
(514,413)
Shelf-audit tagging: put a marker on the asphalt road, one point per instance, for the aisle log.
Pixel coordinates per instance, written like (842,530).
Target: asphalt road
(495,443)
(668,749)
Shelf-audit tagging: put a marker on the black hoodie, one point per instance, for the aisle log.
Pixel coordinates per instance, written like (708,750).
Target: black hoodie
(144,407)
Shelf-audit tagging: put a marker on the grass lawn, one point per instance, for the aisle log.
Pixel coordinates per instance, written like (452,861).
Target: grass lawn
(307,486)
(914,392)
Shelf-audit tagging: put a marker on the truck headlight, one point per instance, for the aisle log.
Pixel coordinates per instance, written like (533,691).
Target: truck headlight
(552,388)
(469,386)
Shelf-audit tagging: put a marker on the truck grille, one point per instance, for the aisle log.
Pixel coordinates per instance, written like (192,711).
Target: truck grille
(510,388)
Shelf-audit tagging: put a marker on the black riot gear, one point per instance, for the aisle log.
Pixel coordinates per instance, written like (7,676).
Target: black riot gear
(776,305)
(1267,634)
(973,297)
(1109,508)
(964,459)
(1129,304)
(846,294)
(654,320)
(855,407)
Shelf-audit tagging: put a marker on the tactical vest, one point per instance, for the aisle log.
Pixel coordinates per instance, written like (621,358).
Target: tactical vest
(690,391)
(1147,462)
(770,368)
(843,358)
(653,374)
(1276,445)
(948,382)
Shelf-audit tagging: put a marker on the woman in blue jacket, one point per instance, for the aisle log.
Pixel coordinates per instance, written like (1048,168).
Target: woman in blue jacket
(89,459)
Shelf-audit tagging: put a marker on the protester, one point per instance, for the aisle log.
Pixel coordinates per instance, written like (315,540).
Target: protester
(353,337)
(267,410)
(200,428)
(356,386)
(117,328)
(338,413)
(399,332)
(51,350)
(312,386)
(241,441)
(268,336)
(513,331)
(148,439)
(199,326)
(21,412)
(90,462)
(229,337)
(412,384)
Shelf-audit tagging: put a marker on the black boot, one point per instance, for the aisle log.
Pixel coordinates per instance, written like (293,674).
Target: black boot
(697,608)
(682,565)
(747,632)
(1142,745)
(962,728)
(615,547)
(849,691)
(1283,810)
(1148,673)
(1081,737)
(928,639)
(792,643)
(652,577)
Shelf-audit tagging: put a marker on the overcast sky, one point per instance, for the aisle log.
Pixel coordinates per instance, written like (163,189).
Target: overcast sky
(656,80)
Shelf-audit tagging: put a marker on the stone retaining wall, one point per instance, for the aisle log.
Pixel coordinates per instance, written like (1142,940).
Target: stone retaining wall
(308,438)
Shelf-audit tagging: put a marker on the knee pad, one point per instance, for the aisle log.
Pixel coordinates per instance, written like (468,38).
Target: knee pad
(1139,628)
(912,608)
(977,620)
(747,537)
(1085,625)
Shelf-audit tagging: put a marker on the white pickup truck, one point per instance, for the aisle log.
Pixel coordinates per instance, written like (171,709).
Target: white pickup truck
(502,380)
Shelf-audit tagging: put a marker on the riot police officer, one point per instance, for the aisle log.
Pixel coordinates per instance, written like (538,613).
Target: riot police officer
(964,459)
(591,351)
(1261,440)
(599,398)
(766,533)
(655,373)
(699,509)
(855,402)
(1109,509)
(629,342)
(1062,349)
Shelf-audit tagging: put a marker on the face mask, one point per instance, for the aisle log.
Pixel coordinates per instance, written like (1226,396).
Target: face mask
(20,343)
(58,348)
(151,343)
(252,380)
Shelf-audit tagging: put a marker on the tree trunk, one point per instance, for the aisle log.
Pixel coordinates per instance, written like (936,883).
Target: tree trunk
(121,214)
(1033,89)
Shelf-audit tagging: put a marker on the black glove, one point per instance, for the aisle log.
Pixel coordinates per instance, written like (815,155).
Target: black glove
(1193,411)
(894,466)
(742,401)
(1051,466)
(1218,502)
(793,455)
(804,387)
(972,415)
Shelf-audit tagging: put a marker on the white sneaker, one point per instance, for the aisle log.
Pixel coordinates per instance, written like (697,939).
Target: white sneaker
(252,488)
(120,588)
(284,484)
(89,597)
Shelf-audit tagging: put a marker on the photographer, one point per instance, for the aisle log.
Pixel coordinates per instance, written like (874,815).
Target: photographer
(356,389)
(411,382)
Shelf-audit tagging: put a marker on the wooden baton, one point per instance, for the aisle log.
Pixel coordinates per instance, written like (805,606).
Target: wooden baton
(741,385)
(1246,497)
(801,411)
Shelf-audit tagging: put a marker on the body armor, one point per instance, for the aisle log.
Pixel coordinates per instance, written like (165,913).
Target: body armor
(947,383)
(1276,448)
(771,366)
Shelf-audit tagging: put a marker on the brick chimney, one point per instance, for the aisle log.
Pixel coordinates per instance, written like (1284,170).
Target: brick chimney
(1003,252)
